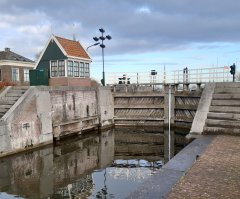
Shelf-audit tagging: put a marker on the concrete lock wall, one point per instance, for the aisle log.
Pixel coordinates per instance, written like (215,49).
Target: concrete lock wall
(73,110)
(44,113)
(27,123)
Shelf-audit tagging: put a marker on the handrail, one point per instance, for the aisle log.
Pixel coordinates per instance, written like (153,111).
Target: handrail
(201,75)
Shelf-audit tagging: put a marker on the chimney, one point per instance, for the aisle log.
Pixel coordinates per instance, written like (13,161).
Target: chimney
(7,49)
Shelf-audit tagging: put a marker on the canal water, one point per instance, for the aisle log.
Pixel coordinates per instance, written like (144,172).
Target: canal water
(109,164)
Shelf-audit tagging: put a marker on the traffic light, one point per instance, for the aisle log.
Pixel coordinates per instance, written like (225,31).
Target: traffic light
(232,69)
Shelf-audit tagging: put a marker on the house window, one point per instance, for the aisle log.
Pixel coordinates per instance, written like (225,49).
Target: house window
(76,69)
(15,74)
(26,75)
(61,68)
(87,70)
(54,69)
(70,68)
(81,69)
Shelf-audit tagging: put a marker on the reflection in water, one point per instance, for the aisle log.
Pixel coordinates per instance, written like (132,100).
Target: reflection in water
(109,164)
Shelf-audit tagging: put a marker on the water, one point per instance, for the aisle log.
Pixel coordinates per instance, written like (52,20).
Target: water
(109,164)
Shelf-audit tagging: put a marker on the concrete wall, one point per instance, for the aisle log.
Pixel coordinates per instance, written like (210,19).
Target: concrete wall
(202,110)
(44,113)
(105,106)
(73,110)
(27,123)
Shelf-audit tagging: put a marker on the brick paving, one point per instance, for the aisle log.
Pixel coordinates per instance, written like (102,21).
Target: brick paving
(215,175)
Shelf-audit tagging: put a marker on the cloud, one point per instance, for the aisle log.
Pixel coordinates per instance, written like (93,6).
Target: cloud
(143,10)
(137,26)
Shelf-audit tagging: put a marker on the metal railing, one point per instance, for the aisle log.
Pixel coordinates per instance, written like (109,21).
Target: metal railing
(202,75)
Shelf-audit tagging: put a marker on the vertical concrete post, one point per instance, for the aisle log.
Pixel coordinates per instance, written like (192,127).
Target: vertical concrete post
(105,103)
(114,88)
(44,112)
(169,106)
(176,87)
(186,87)
(198,86)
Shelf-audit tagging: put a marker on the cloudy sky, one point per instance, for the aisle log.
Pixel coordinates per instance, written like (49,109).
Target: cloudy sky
(146,34)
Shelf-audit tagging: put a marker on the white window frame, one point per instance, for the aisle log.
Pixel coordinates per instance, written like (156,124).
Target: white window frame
(62,72)
(87,70)
(56,71)
(17,73)
(26,75)
(70,68)
(76,69)
(81,69)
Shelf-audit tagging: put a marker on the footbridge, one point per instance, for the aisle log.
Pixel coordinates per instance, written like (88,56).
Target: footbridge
(161,77)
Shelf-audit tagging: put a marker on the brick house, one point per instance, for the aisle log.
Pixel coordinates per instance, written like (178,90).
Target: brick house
(67,62)
(14,68)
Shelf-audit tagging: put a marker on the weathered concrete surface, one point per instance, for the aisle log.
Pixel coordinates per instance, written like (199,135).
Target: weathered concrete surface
(228,96)
(228,116)
(221,130)
(105,106)
(73,110)
(44,113)
(203,109)
(224,109)
(160,185)
(27,123)
(224,112)
(215,174)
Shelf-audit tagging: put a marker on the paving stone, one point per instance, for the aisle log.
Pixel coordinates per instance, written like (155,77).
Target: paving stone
(216,174)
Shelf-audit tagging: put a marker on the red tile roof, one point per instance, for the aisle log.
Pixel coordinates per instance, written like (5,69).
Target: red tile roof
(73,48)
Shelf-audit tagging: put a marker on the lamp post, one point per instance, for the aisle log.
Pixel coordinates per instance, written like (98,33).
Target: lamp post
(102,38)
(92,45)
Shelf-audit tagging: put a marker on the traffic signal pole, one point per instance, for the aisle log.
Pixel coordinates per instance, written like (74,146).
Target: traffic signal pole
(233,71)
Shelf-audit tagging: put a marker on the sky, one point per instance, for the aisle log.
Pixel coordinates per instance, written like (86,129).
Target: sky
(146,34)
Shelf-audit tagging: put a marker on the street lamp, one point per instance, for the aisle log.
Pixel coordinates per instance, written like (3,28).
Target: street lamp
(93,45)
(102,38)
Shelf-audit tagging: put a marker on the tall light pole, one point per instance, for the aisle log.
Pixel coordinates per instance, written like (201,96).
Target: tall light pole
(102,38)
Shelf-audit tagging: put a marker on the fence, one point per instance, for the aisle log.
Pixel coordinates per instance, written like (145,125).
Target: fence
(202,75)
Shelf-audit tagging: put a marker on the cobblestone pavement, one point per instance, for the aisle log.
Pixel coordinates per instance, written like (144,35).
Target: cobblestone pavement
(215,175)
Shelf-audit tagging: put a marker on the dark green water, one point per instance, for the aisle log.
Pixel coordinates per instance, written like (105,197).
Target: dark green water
(108,164)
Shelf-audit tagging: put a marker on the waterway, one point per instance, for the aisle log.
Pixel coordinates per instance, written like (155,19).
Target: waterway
(109,164)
